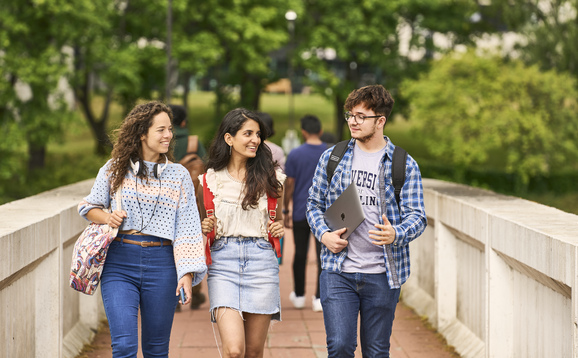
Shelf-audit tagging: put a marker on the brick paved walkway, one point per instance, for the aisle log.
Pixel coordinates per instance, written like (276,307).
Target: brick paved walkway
(301,333)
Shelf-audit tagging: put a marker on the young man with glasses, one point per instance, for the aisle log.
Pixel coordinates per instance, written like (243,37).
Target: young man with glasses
(363,275)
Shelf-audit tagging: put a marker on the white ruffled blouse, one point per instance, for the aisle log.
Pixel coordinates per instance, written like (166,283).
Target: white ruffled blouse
(232,220)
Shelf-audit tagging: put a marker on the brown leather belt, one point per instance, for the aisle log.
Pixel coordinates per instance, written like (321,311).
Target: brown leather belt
(144,243)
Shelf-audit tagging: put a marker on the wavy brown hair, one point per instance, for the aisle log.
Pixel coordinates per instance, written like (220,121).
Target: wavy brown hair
(374,97)
(128,140)
(261,177)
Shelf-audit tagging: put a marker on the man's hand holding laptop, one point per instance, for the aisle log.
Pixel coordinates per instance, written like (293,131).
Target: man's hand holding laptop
(333,241)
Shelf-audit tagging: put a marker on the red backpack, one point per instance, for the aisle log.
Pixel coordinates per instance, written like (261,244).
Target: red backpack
(210,210)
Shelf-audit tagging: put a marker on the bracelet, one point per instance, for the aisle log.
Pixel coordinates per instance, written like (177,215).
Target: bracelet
(285,211)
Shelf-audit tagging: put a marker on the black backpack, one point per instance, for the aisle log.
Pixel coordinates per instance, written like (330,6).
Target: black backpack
(397,166)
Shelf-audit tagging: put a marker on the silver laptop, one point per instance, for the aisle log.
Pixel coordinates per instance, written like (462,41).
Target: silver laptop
(346,211)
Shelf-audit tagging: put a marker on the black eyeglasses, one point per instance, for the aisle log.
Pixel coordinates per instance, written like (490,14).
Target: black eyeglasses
(359,118)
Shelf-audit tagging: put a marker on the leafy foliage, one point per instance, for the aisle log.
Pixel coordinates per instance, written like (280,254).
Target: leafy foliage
(33,64)
(367,37)
(470,107)
(548,28)
(232,40)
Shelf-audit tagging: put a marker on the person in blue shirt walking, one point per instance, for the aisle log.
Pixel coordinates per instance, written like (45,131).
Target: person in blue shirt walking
(299,168)
(363,275)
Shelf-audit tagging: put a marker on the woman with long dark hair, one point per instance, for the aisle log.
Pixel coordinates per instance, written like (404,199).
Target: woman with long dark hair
(159,248)
(243,278)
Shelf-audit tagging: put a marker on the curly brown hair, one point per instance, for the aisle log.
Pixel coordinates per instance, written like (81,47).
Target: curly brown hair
(128,140)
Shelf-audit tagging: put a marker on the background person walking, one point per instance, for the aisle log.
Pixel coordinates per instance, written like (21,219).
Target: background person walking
(299,168)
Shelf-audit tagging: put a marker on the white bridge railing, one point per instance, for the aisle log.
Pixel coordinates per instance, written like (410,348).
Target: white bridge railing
(40,315)
(495,275)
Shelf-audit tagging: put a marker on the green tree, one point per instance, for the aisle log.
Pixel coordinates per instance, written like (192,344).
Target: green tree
(470,107)
(34,62)
(195,48)
(366,37)
(232,40)
(548,31)
(121,57)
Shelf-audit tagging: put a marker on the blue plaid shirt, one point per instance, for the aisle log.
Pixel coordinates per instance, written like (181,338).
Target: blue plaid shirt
(408,224)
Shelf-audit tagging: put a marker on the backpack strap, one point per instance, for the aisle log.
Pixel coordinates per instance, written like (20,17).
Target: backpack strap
(397,166)
(192,144)
(192,150)
(334,159)
(210,210)
(398,172)
(272,209)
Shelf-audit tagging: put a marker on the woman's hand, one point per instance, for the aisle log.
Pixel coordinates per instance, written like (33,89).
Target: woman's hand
(187,283)
(276,229)
(115,218)
(208,224)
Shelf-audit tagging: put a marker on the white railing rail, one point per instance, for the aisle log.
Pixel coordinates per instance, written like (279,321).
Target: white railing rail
(40,316)
(496,275)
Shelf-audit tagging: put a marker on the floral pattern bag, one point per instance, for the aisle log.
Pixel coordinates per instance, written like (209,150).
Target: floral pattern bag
(90,252)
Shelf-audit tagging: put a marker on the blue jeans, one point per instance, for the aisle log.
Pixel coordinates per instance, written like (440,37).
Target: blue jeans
(343,296)
(144,277)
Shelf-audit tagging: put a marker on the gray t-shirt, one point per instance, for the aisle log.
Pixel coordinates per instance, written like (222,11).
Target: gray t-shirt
(362,255)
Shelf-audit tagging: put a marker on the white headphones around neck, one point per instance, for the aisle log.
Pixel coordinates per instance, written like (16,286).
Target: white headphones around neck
(137,168)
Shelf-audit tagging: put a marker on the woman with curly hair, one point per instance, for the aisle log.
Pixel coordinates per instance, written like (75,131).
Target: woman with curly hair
(243,278)
(159,248)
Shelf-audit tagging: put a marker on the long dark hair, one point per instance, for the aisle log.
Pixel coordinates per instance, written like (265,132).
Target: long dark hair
(128,143)
(261,177)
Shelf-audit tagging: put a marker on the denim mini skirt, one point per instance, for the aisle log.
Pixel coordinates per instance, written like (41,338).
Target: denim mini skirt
(244,276)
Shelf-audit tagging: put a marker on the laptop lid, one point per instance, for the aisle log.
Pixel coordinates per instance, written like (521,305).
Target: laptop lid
(346,212)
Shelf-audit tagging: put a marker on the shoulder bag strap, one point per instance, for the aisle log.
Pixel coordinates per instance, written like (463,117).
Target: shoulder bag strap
(118,198)
(210,210)
(192,144)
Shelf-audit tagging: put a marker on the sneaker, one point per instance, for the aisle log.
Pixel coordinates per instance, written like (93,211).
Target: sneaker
(298,301)
(316,304)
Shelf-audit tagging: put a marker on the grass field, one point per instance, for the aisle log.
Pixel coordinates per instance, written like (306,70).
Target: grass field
(73,159)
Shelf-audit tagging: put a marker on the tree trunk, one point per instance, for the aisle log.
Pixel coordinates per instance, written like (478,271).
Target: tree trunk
(339,121)
(36,156)
(186,89)
(251,93)
(350,83)
(103,143)
(98,126)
